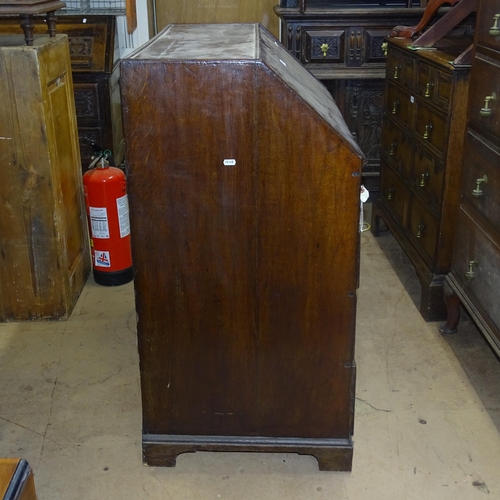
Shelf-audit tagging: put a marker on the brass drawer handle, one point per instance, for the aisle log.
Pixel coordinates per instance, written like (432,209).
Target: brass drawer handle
(324,48)
(478,192)
(486,111)
(424,179)
(397,69)
(384,48)
(392,148)
(495,30)
(470,273)
(427,131)
(392,192)
(428,89)
(420,230)
(395,107)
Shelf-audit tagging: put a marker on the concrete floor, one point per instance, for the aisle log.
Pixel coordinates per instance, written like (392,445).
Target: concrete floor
(427,422)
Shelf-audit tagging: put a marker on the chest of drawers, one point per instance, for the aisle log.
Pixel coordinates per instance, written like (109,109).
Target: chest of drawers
(422,145)
(475,274)
(341,43)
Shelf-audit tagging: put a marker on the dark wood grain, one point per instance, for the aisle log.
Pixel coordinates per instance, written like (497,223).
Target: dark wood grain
(246,274)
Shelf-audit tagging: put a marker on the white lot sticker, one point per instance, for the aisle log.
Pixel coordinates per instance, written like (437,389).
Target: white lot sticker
(99,222)
(123,219)
(102,259)
(230,162)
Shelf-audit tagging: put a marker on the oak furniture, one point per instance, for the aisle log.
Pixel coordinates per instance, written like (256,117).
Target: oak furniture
(475,272)
(95,79)
(245,244)
(422,147)
(342,44)
(43,236)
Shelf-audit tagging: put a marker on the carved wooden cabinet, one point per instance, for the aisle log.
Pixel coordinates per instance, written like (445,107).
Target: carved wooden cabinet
(245,245)
(95,79)
(475,274)
(422,146)
(341,44)
(44,243)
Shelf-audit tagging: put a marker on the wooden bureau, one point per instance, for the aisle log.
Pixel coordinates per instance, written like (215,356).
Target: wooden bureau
(422,146)
(474,279)
(245,244)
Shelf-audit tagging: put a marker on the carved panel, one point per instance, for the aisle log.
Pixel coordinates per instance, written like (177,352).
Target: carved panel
(87,100)
(324,46)
(365,105)
(373,45)
(80,49)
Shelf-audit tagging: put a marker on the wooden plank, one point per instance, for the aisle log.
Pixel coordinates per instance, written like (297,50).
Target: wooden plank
(215,11)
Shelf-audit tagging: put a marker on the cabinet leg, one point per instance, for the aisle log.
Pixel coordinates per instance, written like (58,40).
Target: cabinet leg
(452,308)
(51,23)
(375,223)
(432,306)
(28,26)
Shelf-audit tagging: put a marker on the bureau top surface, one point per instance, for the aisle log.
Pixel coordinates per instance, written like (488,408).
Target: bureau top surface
(241,43)
(203,42)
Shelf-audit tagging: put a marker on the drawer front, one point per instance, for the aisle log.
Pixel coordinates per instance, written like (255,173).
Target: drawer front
(399,105)
(374,38)
(433,86)
(394,192)
(427,178)
(485,84)
(423,228)
(395,147)
(430,128)
(488,24)
(87,101)
(324,46)
(399,68)
(481,178)
(475,264)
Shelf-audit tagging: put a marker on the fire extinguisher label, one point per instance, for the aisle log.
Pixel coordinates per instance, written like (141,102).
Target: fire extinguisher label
(99,222)
(102,259)
(123,219)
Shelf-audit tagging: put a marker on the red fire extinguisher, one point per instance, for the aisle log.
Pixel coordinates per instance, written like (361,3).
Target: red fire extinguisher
(108,217)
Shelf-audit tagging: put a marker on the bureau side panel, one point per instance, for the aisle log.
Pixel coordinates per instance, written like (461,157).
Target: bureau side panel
(189,135)
(308,219)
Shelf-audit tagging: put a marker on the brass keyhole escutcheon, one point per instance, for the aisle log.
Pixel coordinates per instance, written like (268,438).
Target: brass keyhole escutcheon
(428,89)
(324,48)
(391,193)
(397,69)
(420,230)
(470,273)
(486,111)
(478,192)
(392,148)
(424,179)
(427,131)
(495,30)
(395,107)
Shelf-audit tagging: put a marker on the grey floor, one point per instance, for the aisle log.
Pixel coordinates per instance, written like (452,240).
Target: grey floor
(427,420)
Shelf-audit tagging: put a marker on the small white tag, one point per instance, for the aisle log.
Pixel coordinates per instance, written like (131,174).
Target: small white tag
(230,162)
(412,99)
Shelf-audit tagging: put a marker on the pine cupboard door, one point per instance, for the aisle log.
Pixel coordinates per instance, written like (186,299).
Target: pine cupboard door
(43,232)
